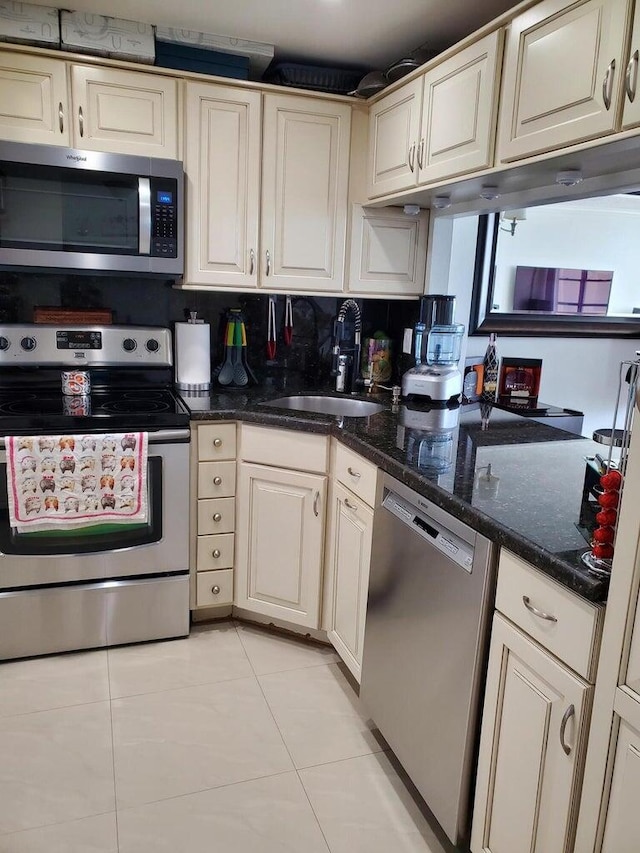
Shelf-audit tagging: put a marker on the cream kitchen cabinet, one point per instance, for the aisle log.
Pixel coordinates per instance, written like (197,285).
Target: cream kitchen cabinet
(222,166)
(388,252)
(213,540)
(562,75)
(292,181)
(281,506)
(348,555)
(542,662)
(533,733)
(631,111)
(439,125)
(100,109)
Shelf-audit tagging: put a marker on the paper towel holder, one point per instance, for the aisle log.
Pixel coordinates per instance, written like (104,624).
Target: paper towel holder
(188,350)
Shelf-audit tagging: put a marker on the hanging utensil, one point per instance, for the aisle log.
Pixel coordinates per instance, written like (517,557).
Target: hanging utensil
(271,330)
(288,322)
(245,363)
(240,376)
(225,377)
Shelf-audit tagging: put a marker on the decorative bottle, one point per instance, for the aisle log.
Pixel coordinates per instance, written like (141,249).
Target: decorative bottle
(490,374)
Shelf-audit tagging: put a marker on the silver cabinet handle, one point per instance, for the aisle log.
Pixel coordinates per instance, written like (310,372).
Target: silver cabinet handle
(252,261)
(349,505)
(421,152)
(607,84)
(216,553)
(268,255)
(217,517)
(217,442)
(353,473)
(632,73)
(540,613)
(412,157)
(81,121)
(215,589)
(570,712)
(61,116)
(316,504)
(217,481)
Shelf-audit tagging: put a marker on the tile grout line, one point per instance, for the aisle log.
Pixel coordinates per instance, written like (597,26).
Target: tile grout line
(113,755)
(284,743)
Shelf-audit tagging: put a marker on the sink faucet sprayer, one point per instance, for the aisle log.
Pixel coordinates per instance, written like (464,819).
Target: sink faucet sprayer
(341,364)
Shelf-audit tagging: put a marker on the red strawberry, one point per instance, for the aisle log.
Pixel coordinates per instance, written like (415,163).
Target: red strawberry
(612,480)
(607,517)
(603,551)
(609,500)
(603,534)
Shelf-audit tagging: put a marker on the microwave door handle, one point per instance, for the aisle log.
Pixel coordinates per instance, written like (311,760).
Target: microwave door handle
(144,209)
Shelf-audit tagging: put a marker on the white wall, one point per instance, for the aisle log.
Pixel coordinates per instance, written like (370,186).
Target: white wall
(577,373)
(594,234)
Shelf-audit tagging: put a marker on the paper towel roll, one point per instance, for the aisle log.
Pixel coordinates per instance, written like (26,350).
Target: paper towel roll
(193,356)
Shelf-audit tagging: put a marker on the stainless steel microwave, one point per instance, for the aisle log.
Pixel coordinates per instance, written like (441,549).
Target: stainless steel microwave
(88,211)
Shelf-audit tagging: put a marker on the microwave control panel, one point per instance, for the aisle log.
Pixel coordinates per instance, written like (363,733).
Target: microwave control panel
(164,218)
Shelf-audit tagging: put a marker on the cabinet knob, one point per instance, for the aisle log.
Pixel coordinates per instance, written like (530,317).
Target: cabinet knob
(217,442)
(215,553)
(217,516)
(215,590)
(217,481)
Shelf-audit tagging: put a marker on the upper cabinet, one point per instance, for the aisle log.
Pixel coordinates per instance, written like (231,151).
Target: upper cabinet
(562,75)
(94,108)
(439,125)
(305,176)
(293,180)
(222,166)
(631,112)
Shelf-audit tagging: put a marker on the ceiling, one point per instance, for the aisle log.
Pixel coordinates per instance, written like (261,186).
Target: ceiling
(340,33)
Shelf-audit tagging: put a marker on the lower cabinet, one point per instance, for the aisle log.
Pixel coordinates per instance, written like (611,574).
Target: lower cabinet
(622,828)
(280,524)
(531,749)
(349,534)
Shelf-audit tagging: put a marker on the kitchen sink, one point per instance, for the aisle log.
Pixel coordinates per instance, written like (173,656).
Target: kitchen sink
(340,406)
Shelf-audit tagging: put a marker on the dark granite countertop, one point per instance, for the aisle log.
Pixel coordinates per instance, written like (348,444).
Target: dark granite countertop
(532,508)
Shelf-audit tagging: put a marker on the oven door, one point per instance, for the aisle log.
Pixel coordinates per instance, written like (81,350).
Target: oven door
(108,551)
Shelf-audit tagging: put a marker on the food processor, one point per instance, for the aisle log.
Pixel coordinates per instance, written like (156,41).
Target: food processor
(437,346)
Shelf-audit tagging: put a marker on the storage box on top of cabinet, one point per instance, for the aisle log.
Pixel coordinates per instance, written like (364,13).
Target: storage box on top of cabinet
(29,24)
(86,33)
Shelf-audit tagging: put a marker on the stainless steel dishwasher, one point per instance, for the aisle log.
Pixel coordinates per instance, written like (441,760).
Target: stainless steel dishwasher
(431,593)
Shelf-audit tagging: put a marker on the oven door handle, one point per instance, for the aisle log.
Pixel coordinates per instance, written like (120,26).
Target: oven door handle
(162,436)
(144,210)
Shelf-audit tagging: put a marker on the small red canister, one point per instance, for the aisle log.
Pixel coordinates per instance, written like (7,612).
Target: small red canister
(76,382)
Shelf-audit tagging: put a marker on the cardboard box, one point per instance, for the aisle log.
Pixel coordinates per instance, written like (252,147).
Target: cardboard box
(258,53)
(29,24)
(86,33)
(188,58)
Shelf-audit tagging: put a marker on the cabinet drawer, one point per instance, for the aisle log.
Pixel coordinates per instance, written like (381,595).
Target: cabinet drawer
(215,552)
(213,588)
(572,635)
(217,515)
(300,451)
(216,479)
(355,473)
(216,441)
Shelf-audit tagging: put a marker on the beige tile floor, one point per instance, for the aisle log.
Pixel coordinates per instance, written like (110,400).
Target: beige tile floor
(235,739)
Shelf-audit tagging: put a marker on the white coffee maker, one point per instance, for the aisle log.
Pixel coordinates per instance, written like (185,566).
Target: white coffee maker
(437,347)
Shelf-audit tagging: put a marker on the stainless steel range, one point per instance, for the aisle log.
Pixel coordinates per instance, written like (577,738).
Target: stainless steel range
(104,584)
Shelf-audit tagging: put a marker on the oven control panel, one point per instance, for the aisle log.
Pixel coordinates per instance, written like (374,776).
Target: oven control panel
(24,345)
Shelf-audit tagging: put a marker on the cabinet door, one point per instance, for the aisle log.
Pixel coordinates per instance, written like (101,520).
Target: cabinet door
(305,173)
(125,112)
(394,128)
(527,784)
(631,113)
(388,251)
(222,165)
(459,108)
(279,542)
(562,75)
(622,828)
(34,104)
(347,574)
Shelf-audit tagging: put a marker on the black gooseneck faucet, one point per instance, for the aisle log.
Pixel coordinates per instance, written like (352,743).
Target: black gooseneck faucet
(344,383)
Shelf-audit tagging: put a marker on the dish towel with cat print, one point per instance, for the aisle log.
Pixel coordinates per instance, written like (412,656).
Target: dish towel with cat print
(62,482)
